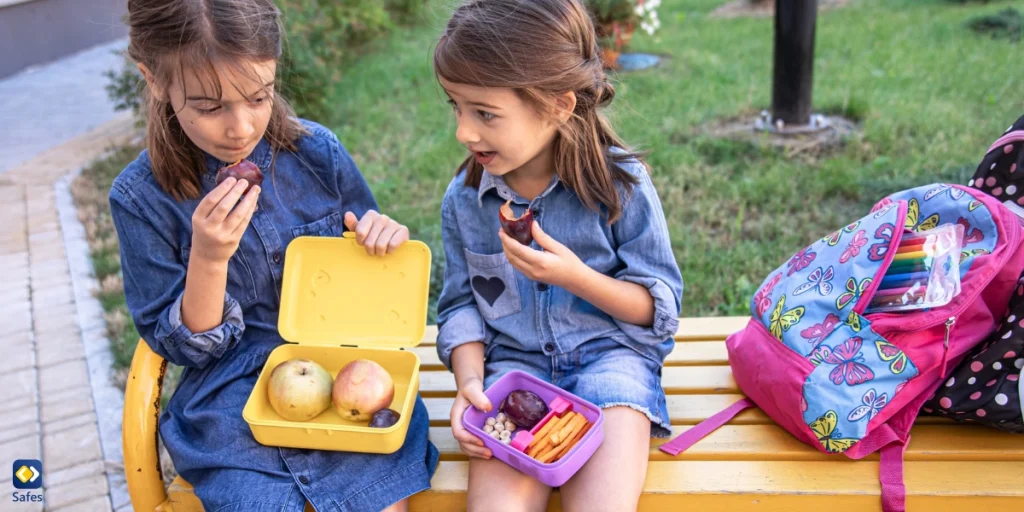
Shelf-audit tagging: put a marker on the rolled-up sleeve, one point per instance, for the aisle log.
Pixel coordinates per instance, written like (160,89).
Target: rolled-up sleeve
(645,250)
(154,285)
(458,319)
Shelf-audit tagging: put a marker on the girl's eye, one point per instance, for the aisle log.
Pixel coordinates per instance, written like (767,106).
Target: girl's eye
(207,111)
(258,101)
(454,106)
(486,116)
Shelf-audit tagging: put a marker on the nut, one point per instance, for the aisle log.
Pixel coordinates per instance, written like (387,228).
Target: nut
(490,421)
(488,428)
(506,440)
(498,427)
(506,435)
(510,426)
(501,417)
(495,435)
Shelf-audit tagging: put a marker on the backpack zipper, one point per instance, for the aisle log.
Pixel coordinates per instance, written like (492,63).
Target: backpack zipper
(945,344)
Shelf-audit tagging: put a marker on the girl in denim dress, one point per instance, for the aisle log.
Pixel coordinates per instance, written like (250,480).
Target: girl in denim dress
(203,262)
(591,305)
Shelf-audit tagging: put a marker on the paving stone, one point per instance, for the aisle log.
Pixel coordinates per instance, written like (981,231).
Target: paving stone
(72,447)
(63,376)
(77,492)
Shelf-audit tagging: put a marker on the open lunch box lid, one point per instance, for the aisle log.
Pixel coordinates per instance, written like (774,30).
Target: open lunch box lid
(334,293)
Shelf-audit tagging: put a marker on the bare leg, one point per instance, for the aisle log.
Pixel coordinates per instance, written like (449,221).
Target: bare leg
(494,485)
(613,478)
(401,506)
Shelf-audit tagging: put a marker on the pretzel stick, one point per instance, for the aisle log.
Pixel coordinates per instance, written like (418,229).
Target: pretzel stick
(563,434)
(563,421)
(572,442)
(574,427)
(543,431)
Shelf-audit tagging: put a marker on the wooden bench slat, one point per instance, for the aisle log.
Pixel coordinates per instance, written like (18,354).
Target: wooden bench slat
(694,353)
(682,410)
(771,442)
(675,380)
(714,328)
(784,486)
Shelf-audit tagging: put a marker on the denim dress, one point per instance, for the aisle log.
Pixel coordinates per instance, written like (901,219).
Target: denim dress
(305,193)
(545,330)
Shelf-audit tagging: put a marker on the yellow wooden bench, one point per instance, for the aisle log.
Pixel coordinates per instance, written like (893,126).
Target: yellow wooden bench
(749,464)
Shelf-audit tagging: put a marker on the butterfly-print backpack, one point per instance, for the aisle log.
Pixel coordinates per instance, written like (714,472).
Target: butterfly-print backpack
(986,387)
(850,382)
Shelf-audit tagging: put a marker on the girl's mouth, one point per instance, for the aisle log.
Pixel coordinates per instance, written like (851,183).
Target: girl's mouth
(484,157)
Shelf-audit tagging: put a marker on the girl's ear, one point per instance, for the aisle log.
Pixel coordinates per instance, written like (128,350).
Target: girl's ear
(151,82)
(565,105)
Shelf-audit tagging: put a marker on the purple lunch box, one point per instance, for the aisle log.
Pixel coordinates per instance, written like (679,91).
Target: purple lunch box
(553,474)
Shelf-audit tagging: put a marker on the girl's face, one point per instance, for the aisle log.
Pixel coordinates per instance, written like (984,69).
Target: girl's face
(503,132)
(229,125)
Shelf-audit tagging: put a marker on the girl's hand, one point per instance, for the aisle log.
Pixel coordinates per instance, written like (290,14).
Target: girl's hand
(220,220)
(557,265)
(378,233)
(471,393)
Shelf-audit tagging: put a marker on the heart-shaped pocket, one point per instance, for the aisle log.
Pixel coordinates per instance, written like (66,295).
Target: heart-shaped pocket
(489,289)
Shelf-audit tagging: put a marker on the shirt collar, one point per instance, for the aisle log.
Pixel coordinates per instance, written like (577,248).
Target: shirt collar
(489,182)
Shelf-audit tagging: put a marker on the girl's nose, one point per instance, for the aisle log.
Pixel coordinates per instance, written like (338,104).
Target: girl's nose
(465,133)
(241,124)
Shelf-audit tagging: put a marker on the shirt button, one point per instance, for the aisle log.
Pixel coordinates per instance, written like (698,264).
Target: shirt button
(277,257)
(542,287)
(304,480)
(550,347)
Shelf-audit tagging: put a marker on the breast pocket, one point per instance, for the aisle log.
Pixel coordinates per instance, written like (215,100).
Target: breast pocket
(493,281)
(331,225)
(241,284)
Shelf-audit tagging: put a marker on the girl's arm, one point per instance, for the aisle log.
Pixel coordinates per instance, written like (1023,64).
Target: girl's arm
(645,296)
(559,266)
(218,223)
(155,283)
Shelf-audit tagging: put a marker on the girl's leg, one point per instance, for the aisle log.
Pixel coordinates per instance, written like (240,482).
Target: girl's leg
(494,485)
(401,506)
(613,478)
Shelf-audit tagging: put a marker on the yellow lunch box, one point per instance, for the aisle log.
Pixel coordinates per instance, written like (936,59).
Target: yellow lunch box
(339,304)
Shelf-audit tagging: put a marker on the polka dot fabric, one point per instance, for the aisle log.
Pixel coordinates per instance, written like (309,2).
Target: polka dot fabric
(1001,172)
(985,387)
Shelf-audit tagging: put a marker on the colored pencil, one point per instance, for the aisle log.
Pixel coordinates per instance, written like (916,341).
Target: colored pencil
(908,279)
(917,255)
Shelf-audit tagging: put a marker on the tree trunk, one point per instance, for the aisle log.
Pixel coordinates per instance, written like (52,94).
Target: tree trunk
(794,60)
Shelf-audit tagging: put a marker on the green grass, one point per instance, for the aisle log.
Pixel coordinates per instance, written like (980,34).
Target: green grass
(930,96)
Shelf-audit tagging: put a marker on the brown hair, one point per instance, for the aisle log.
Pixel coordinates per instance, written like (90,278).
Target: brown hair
(179,36)
(540,49)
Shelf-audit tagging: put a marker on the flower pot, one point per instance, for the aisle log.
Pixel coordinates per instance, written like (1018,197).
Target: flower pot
(610,58)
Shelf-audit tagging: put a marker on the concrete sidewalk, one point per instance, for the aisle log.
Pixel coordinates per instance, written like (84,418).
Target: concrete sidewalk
(55,373)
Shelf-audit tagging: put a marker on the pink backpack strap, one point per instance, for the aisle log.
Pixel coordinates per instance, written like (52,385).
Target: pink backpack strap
(690,437)
(890,475)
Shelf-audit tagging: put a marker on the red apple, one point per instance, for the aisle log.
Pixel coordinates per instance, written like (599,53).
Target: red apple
(244,170)
(520,228)
(299,389)
(362,388)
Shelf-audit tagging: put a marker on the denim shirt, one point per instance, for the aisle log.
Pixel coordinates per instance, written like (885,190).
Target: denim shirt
(307,193)
(485,299)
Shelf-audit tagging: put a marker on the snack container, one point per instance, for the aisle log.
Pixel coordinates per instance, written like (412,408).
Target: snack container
(552,474)
(339,304)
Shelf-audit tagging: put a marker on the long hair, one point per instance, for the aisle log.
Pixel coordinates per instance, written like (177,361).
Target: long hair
(175,37)
(541,49)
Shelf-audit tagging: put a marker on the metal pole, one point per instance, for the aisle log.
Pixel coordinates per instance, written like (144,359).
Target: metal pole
(794,60)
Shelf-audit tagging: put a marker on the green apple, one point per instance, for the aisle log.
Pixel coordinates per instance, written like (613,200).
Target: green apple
(299,389)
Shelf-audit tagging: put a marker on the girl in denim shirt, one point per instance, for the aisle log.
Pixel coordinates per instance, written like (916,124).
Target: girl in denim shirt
(592,304)
(203,263)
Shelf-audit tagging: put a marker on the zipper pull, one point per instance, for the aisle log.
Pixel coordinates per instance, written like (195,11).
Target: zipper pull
(945,344)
